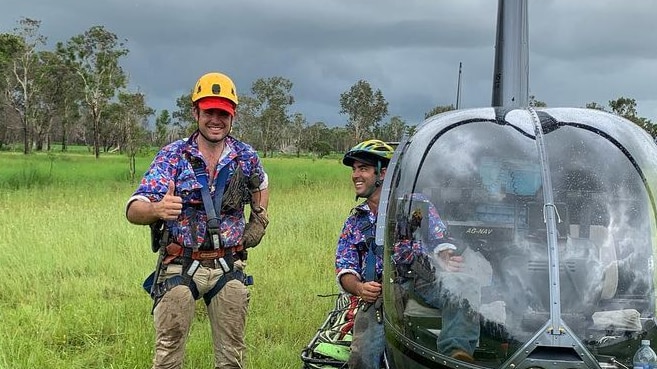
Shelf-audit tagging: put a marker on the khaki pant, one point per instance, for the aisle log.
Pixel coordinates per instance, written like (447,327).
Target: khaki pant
(226,312)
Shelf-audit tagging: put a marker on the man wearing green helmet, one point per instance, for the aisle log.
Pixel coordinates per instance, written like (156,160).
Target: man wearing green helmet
(358,262)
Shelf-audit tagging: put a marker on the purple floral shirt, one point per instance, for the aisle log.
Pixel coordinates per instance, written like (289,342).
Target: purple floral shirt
(348,259)
(171,163)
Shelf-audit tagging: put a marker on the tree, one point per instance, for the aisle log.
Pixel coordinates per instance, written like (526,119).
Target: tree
(131,114)
(313,138)
(392,131)
(626,108)
(595,105)
(66,94)
(246,121)
(297,127)
(20,81)
(536,103)
(183,120)
(272,97)
(364,107)
(95,56)
(58,96)
(10,46)
(162,124)
(438,109)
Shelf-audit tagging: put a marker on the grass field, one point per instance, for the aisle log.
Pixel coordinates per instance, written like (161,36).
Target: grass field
(71,295)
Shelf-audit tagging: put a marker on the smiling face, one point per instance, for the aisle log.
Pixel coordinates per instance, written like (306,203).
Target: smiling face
(213,124)
(365,178)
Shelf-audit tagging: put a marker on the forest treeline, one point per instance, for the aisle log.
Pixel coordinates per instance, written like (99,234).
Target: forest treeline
(77,93)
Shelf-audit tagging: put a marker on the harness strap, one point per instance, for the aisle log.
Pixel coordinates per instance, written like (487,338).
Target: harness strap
(212,209)
(225,278)
(174,250)
(367,229)
(169,283)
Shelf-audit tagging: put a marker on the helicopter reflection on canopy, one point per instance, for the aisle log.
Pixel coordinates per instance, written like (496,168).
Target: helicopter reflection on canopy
(521,191)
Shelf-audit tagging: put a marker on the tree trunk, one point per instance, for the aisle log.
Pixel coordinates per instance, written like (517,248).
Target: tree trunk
(64,148)
(26,136)
(96,117)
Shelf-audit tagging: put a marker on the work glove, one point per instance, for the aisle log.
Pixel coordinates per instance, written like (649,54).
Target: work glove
(255,228)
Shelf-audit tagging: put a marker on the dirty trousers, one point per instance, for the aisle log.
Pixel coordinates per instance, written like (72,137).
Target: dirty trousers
(227,314)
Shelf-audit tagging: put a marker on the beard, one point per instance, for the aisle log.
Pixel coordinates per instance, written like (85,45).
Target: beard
(212,140)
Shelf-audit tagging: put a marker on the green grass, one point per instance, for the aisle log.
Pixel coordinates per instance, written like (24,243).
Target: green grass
(71,295)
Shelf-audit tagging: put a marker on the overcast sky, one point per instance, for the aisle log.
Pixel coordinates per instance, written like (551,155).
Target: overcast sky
(580,50)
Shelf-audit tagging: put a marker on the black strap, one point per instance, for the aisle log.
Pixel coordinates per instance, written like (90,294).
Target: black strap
(225,278)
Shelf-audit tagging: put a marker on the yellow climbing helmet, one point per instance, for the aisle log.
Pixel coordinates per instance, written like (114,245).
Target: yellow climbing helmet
(370,152)
(215,91)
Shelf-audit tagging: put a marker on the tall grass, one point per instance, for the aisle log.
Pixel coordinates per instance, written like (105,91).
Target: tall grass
(71,294)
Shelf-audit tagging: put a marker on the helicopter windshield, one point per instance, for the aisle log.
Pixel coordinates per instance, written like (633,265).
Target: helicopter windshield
(470,227)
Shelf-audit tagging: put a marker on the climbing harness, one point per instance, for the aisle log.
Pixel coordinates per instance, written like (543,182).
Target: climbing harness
(372,250)
(192,258)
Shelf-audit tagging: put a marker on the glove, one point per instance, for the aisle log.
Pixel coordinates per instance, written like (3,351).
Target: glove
(255,228)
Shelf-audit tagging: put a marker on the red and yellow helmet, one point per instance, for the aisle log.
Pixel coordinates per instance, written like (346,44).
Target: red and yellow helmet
(215,91)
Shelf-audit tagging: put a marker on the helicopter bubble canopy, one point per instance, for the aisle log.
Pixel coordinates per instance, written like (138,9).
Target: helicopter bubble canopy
(510,233)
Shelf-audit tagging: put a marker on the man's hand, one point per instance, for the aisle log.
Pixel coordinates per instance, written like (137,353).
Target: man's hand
(369,291)
(448,261)
(170,207)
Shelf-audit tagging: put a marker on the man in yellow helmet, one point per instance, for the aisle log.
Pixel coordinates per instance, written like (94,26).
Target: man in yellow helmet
(358,262)
(193,196)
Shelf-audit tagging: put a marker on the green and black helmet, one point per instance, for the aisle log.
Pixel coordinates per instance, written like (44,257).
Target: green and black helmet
(373,152)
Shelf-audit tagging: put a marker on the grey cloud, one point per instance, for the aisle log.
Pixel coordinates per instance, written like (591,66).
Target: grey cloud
(581,51)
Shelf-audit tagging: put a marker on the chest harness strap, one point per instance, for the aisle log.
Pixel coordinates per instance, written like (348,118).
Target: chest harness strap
(213,209)
(369,247)
(372,250)
(187,254)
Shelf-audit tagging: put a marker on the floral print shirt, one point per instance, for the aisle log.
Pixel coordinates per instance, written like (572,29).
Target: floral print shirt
(351,250)
(173,163)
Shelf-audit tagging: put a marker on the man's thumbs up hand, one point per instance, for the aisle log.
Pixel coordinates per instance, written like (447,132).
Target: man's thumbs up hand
(171,205)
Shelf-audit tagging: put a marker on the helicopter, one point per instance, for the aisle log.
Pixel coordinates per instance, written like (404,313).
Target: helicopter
(553,207)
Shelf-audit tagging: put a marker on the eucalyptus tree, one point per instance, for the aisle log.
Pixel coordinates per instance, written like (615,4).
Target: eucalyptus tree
(438,109)
(297,127)
(316,138)
(364,107)
(393,130)
(132,115)
(96,55)
(535,103)
(10,46)
(162,124)
(58,96)
(626,107)
(183,120)
(341,139)
(67,94)
(245,126)
(19,87)
(273,97)
(595,105)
